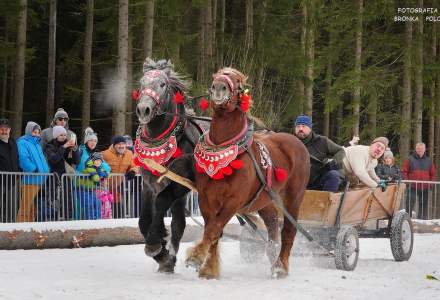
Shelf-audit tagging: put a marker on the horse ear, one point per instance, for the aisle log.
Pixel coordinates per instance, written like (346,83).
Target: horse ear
(149,64)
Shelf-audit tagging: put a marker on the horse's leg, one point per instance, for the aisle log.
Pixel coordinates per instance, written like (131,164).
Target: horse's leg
(146,212)
(178,223)
(269,214)
(281,267)
(213,230)
(157,231)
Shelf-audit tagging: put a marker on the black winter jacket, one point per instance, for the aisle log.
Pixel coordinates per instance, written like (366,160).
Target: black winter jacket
(322,150)
(387,172)
(9,156)
(56,154)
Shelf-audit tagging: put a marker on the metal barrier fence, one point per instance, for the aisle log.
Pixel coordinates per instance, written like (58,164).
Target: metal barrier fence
(33,197)
(422,199)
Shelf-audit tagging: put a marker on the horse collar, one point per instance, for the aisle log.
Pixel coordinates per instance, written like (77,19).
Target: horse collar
(162,148)
(219,160)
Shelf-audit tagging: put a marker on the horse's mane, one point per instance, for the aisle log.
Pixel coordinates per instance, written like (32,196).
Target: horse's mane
(176,81)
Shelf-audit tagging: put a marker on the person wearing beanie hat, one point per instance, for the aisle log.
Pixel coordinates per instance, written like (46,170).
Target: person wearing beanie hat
(324,154)
(360,162)
(120,160)
(387,170)
(61,118)
(31,160)
(58,130)
(88,148)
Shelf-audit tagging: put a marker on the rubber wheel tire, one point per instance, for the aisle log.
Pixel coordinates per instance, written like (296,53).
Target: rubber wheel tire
(347,248)
(251,252)
(401,236)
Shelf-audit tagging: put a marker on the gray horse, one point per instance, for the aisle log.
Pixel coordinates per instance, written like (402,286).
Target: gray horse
(167,135)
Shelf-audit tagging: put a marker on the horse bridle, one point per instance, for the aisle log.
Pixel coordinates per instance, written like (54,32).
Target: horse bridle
(158,107)
(235,91)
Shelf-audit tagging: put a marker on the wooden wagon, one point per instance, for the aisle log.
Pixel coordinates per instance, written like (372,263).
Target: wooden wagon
(337,220)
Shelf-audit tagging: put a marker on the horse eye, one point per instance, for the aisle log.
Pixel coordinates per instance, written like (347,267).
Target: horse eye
(224,88)
(162,84)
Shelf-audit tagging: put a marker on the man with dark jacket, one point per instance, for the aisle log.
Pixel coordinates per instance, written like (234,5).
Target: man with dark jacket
(8,163)
(420,167)
(324,174)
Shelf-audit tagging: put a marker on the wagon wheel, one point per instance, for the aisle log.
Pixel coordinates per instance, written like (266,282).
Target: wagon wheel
(347,248)
(401,236)
(251,251)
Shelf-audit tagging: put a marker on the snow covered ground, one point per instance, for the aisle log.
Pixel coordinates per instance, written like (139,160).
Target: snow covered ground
(124,272)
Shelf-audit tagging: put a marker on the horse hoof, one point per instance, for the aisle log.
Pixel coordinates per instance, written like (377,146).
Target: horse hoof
(192,263)
(205,274)
(167,266)
(279,273)
(152,250)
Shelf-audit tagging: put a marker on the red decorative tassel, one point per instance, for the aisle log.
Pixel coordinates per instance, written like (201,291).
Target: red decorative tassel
(135,95)
(137,162)
(178,98)
(236,164)
(203,104)
(280,174)
(227,170)
(178,153)
(199,169)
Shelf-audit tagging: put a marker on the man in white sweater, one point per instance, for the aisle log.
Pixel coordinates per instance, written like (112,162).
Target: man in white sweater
(359,162)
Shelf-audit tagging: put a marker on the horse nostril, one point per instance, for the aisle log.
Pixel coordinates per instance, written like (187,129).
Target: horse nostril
(138,111)
(147,111)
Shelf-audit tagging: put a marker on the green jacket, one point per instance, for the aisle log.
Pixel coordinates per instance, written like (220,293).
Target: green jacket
(94,177)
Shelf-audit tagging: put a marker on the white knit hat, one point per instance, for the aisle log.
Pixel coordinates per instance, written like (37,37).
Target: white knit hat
(57,131)
(388,153)
(89,135)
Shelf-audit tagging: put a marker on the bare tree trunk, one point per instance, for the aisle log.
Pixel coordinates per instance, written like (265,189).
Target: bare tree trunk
(259,81)
(129,101)
(418,101)
(249,34)
(432,108)
(50,100)
(119,105)
(208,39)
(301,85)
(147,44)
(87,53)
(358,69)
(214,34)
(201,62)
(20,64)
(405,127)
(310,52)
(372,116)
(221,40)
(328,85)
(5,72)
(339,120)
(437,127)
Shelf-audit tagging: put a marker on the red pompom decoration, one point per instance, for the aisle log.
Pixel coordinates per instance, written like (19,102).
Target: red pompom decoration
(135,95)
(203,104)
(245,102)
(178,98)
(136,161)
(280,174)
(218,175)
(236,164)
(227,170)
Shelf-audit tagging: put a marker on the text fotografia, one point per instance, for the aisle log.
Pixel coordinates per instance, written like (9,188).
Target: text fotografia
(413,14)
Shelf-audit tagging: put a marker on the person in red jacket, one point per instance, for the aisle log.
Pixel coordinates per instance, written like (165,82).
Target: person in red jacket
(419,167)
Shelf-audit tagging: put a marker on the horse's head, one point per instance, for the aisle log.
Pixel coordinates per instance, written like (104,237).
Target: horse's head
(227,88)
(158,86)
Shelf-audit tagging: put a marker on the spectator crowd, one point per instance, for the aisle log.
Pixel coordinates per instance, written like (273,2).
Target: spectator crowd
(90,193)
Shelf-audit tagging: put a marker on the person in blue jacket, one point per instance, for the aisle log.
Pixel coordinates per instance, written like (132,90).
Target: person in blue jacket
(87,149)
(31,160)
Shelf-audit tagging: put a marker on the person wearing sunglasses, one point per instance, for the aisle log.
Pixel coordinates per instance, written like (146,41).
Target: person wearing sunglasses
(61,118)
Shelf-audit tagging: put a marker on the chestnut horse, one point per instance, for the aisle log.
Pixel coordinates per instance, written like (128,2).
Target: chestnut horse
(237,188)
